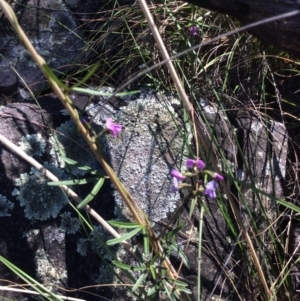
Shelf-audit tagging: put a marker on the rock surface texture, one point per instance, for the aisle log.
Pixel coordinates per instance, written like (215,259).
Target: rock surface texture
(256,153)
(150,145)
(52,29)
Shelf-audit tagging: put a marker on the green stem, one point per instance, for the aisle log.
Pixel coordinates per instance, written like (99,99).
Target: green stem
(199,252)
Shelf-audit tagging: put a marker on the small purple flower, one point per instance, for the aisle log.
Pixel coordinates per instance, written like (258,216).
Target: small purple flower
(112,127)
(190,163)
(176,174)
(176,186)
(210,189)
(218,177)
(194,31)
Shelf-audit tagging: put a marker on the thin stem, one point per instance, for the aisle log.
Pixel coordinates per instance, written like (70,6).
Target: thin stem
(199,252)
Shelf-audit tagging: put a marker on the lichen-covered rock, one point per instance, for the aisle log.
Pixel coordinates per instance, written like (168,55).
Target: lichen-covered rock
(40,201)
(153,140)
(48,247)
(255,153)
(52,30)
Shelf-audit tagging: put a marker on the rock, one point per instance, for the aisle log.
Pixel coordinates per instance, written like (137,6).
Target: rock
(143,155)
(256,153)
(52,30)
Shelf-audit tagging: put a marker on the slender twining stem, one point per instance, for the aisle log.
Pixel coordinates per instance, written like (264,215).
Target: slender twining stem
(199,251)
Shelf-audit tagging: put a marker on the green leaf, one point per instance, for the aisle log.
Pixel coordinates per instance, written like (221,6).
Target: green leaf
(43,291)
(168,291)
(73,182)
(51,75)
(92,194)
(77,165)
(86,77)
(139,281)
(95,92)
(152,271)
(175,231)
(124,224)
(124,237)
(289,205)
(179,283)
(127,267)
(181,254)
(185,290)
(152,291)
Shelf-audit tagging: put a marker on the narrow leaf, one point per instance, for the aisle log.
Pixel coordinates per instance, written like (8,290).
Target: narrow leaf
(127,267)
(92,194)
(124,237)
(124,224)
(139,281)
(181,254)
(100,93)
(87,76)
(152,291)
(73,182)
(289,205)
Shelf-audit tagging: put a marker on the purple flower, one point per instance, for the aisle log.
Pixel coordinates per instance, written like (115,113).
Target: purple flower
(194,31)
(190,163)
(176,174)
(218,177)
(112,127)
(210,189)
(176,186)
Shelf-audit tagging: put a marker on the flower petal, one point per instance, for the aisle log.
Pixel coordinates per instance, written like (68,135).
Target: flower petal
(210,189)
(218,177)
(200,164)
(175,187)
(190,163)
(112,127)
(177,174)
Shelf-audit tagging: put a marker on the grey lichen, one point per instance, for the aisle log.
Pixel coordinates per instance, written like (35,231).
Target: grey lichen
(49,274)
(68,223)
(33,145)
(67,142)
(5,206)
(96,242)
(40,201)
(82,246)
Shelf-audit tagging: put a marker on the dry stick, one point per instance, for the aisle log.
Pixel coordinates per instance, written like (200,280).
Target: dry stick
(131,204)
(23,291)
(199,125)
(66,189)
